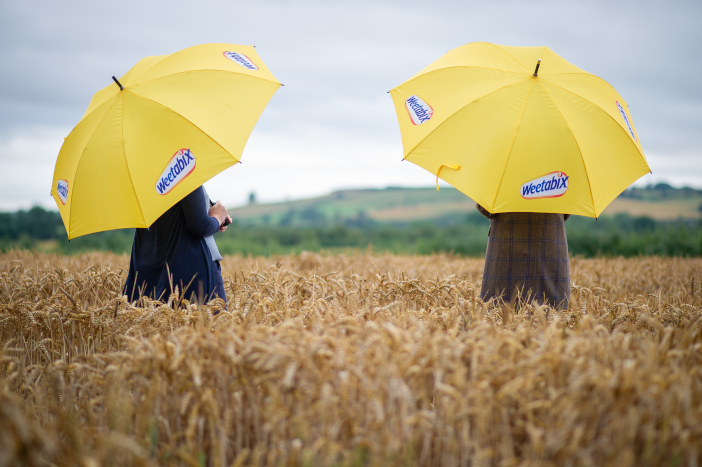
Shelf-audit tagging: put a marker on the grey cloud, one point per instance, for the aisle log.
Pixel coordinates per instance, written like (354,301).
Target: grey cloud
(338,59)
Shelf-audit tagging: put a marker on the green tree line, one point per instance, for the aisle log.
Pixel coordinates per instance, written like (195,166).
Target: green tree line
(619,235)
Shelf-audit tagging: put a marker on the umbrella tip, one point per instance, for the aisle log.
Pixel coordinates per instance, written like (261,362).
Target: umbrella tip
(121,88)
(536,72)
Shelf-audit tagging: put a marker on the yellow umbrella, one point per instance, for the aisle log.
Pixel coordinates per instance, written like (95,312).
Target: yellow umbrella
(519,129)
(150,138)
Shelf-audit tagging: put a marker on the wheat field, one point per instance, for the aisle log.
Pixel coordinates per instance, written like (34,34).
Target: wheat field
(360,359)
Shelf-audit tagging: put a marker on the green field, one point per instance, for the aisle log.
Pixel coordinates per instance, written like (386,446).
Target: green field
(444,207)
(643,221)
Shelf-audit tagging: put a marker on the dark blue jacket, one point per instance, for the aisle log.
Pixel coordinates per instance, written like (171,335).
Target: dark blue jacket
(174,243)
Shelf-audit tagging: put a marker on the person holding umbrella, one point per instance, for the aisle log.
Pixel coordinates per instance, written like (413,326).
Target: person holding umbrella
(530,138)
(139,157)
(527,258)
(178,250)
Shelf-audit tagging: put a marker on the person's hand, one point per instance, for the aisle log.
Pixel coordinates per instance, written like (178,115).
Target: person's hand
(223,227)
(219,212)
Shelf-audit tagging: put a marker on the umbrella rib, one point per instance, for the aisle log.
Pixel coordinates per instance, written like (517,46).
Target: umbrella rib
(603,110)
(95,110)
(129,170)
(206,69)
(186,119)
(150,68)
(458,110)
(587,175)
(511,146)
(509,55)
(80,161)
(417,76)
(547,75)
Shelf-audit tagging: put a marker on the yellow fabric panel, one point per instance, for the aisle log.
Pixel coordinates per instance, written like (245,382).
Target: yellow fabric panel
(527,57)
(611,156)
(446,91)
(69,156)
(206,57)
(214,101)
(152,135)
(543,144)
(478,138)
(551,62)
(102,196)
(476,54)
(142,66)
(102,96)
(600,93)
(112,90)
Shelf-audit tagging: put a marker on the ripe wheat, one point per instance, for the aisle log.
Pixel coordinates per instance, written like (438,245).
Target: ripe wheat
(350,360)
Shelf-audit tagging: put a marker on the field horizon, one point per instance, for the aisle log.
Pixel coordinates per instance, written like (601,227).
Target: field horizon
(402,205)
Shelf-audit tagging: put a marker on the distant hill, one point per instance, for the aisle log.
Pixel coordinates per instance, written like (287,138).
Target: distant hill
(445,207)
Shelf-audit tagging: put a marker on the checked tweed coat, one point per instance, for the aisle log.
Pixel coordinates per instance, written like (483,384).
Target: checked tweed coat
(527,257)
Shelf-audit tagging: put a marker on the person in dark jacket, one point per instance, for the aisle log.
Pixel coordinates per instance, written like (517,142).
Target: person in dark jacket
(178,250)
(527,256)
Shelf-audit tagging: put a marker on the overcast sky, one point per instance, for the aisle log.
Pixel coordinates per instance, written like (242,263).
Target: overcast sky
(332,125)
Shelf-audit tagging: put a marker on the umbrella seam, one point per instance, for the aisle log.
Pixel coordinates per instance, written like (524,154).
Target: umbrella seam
(80,161)
(69,134)
(193,124)
(582,159)
(207,69)
(455,66)
(458,110)
(510,55)
(546,75)
(166,57)
(511,146)
(91,112)
(152,66)
(126,162)
(186,119)
(603,110)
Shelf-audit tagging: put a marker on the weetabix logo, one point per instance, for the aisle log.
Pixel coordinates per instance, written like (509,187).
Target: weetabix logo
(626,120)
(62,191)
(180,166)
(241,59)
(418,110)
(551,185)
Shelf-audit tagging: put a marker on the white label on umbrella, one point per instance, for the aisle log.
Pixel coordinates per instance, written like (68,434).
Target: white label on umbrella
(626,120)
(62,190)
(418,110)
(180,166)
(241,59)
(551,185)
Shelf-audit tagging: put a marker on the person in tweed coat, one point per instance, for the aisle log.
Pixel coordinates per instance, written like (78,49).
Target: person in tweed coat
(527,258)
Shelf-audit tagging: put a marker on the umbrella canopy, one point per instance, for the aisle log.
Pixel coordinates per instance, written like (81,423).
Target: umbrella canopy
(515,139)
(150,138)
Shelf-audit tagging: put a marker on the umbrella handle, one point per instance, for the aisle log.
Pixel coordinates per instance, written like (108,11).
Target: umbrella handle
(226,221)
